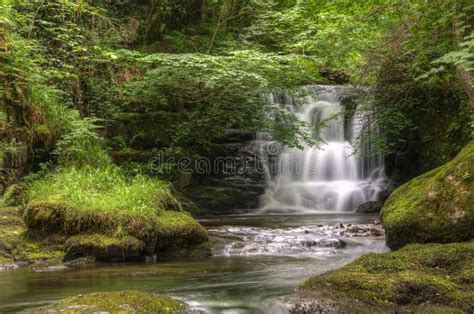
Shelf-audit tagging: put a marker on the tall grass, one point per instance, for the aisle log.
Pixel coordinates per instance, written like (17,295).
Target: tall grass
(104,188)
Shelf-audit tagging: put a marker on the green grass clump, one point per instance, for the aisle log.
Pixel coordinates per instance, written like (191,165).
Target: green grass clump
(77,200)
(438,276)
(100,189)
(115,302)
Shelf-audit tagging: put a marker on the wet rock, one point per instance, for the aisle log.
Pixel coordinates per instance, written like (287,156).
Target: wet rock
(235,184)
(365,231)
(9,266)
(336,76)
(48,269)
(336,243)
(369,207)
(81,261)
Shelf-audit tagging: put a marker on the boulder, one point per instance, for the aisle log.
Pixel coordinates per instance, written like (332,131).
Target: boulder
(114,302)
(411,280)
(437,206)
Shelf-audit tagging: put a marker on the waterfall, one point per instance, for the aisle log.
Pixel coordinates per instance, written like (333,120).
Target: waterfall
(333,177)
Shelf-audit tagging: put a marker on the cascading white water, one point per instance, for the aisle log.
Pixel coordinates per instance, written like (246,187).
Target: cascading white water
(326,178)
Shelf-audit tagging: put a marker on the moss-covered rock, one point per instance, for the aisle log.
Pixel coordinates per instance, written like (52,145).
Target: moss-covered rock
(11,230)
(181,236)
(118,236)
(429,278)
(114,302)
(104,248)
(20,247)
(435,207)
(44,218)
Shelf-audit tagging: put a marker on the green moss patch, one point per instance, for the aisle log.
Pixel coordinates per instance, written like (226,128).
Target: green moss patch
(103,248)
(421,278)
(11,230)
(181,236)
(115,302)
(16,245)
(435,207)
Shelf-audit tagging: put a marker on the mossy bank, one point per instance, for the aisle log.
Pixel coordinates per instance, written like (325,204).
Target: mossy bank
(99,213)
(114,302)
(437,206)
(429,278)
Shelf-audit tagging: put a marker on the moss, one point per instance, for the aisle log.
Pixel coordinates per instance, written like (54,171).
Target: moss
(417,277)
(181,236)
(17,245)
(40,252)
(11,228)
(118,236)
(115,302)
(437,206)
(104,248)
(11,232)
(45,218)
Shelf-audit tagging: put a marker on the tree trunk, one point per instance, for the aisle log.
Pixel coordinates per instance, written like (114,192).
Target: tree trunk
(218,26)
(464,77)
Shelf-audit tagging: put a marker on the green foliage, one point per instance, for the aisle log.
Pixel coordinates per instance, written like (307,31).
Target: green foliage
(218,93)
(81,144)
(101,58)
(7,198)
(337,33)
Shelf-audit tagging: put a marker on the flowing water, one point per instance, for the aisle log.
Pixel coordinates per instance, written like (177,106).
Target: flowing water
(258,262)
(332,177)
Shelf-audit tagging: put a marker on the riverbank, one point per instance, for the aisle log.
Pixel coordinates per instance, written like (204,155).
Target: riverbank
(420,278)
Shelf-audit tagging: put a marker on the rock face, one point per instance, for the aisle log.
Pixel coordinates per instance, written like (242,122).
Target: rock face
(369,207)
(236,183)
(437,206)
(412,280)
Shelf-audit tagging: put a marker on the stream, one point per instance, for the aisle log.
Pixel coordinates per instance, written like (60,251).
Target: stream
(257,264)
(306,227)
